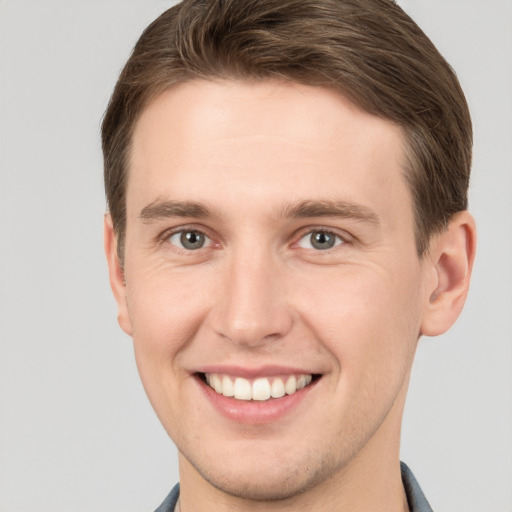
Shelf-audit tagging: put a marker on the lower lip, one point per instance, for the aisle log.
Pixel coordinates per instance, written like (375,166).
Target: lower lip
(254,412)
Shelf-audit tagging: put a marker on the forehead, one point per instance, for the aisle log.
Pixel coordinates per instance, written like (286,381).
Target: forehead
(271,141)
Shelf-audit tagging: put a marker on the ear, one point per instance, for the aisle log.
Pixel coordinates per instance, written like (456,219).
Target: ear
(450,259)
(116,274)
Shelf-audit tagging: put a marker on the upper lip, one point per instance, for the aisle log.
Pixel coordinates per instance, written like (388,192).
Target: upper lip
(254,372)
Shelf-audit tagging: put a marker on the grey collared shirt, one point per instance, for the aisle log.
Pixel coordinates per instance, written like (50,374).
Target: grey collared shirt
(415,497)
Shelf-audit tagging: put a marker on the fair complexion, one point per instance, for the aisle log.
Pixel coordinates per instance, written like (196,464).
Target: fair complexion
(270,240)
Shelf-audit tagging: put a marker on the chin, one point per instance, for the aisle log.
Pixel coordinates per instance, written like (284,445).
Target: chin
(254,488)
(271,480)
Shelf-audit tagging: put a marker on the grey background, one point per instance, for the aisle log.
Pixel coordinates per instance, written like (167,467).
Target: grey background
(76,431)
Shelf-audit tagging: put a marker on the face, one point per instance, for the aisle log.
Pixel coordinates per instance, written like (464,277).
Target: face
(270,255)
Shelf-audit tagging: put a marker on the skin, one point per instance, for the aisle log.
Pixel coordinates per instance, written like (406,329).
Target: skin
(258,293)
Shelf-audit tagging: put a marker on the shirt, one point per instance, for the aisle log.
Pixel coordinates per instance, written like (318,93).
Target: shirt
(415,497)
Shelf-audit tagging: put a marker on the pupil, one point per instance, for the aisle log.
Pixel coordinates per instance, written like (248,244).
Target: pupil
(192,240)
(322,240)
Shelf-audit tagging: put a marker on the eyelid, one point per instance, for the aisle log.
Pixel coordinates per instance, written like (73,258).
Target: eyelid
(203,239)
(308,231)
(164,236)
(168,233)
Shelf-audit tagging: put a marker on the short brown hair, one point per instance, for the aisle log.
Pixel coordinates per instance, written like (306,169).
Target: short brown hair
(368,50)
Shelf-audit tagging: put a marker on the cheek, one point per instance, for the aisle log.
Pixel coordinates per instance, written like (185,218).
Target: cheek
(361,321)
(369,319)
(165,309)
(165,314)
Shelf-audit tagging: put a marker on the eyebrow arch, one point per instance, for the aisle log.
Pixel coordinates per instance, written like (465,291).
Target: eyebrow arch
(159,209)
(325,208)
(163,209)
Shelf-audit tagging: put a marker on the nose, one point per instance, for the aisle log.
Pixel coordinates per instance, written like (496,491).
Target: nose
(253,308)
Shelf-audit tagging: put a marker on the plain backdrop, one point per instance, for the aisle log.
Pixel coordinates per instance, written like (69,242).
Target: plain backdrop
(76,430)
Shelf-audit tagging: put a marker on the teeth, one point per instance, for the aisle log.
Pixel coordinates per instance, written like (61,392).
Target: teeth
(291,385)
(227,387)
(277,389)
(216,383)
(260,389)
(242,389)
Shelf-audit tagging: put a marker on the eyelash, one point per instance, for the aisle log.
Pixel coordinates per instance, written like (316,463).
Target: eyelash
(339,239)
(325,233)
(167,235)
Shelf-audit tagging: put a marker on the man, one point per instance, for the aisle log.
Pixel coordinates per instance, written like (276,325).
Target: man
(287,184)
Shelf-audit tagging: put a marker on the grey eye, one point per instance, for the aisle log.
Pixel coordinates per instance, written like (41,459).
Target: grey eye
(320,240)
(189,239)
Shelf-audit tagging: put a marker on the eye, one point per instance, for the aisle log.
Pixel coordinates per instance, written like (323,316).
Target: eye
(320,240)
(189,239)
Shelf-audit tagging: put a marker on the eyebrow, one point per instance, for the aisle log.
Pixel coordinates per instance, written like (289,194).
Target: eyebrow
(325,208)
(167,209)
(162,209)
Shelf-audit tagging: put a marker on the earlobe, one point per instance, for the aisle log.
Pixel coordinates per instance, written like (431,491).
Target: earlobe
(451,257)
(116,274)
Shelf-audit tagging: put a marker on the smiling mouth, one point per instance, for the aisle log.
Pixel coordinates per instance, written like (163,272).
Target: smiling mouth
(259,389)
